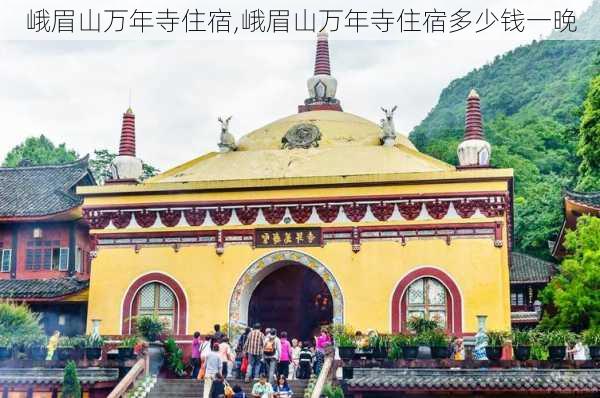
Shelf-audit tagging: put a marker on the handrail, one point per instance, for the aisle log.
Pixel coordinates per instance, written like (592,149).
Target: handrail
(324,374)
(141,366)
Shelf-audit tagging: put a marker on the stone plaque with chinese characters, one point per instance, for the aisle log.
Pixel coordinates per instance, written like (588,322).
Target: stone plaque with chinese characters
(287,237)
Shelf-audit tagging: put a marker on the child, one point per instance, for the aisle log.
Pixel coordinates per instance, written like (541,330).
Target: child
(305,358)
(295,368)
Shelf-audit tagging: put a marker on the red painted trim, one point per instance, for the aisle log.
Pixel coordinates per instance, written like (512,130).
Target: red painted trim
(399,304)
(296,201)
(45,217)
(128,311)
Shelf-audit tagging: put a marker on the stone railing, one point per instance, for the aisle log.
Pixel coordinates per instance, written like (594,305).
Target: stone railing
(324,376)
(127,383)
(468,364)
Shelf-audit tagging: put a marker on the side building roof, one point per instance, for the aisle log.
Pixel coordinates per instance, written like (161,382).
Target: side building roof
(528,269)
(35,191)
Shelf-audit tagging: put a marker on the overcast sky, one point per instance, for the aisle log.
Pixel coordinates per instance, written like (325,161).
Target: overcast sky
(76,92)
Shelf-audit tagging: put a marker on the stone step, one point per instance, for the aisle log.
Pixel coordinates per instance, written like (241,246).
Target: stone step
(188,388)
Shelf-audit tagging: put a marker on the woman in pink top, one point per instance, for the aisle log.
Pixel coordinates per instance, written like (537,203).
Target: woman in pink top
(227,356)
(285,356)
(321,342)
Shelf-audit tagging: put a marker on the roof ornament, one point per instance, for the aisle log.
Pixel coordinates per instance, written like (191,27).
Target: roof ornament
(474,150)
(227,141)
(303,136)
(387,135)
(321,86)
(126,167)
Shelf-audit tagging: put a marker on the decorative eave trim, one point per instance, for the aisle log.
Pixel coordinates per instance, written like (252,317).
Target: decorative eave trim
(480,175)
(299,211)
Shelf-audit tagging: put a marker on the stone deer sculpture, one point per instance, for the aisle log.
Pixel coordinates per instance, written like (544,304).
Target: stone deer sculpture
(227,140)
(388,131)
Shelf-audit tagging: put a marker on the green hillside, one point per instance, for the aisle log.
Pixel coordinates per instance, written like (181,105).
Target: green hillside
(531,101)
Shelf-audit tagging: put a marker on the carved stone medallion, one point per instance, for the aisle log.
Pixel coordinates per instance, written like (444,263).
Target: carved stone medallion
(304,135)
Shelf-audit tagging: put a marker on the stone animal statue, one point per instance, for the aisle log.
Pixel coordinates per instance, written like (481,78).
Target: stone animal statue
(227,141)
(388,131)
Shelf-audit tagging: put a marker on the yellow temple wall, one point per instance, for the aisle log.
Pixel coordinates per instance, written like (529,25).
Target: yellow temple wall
(367,279)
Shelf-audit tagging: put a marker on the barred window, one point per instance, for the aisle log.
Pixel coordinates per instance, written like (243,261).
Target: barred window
(158,300)
(426,298)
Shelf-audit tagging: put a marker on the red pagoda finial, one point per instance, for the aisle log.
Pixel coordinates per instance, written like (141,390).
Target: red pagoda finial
(322,65)
(473,118)
(127,146)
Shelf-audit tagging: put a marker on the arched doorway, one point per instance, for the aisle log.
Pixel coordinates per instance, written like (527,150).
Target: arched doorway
(262,268)
(292,298)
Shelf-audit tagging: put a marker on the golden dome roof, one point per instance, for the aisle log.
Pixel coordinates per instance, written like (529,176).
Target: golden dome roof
(336,128)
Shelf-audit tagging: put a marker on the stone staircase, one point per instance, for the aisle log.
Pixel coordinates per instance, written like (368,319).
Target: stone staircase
(188,388)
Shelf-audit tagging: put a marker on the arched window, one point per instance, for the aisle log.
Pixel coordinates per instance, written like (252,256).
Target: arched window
(156,299)
(427,292)
(427,298)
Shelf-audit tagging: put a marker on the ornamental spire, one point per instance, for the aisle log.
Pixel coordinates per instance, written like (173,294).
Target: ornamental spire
(322,66)
(126,168)
(127,146)
(322,86)
(474,150)
(473,118)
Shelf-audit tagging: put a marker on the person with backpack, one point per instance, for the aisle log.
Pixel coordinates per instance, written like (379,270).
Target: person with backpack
(217,388)
(305,360)
(270,355)
(238,393)
(241,359)
(253,346)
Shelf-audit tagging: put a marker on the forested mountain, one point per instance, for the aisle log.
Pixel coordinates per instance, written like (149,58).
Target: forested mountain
(531,101)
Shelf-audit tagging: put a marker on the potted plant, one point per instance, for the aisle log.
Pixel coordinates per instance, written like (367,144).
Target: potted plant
(93,346)
(521,341)
(37,347)
(439,344)
(422,325)
(5,348)
(125,348)
(496,339)
(346,345)
(557,341)
(410,348)
(65,348)
(591,338)
(78,343)
(379,344)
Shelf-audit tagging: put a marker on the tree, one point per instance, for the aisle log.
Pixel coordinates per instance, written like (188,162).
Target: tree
(71,387)
(574,293)
(589,140)
(39,151)
(100,166)
(17,320)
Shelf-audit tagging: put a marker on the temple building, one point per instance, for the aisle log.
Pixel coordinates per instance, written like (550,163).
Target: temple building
(44,243)
(316,218)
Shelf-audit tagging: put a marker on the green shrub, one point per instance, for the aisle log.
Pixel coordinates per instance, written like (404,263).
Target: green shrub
(333,391)
(94,341)
(497,338)
(521,338)
(437,338)
(65,342)
(174,356)
(5,341)
(557,338)
(18,321)
(128,342)
(591,337)
(422,325)
(71,387)
(149,327)
(379,341)
(343,336)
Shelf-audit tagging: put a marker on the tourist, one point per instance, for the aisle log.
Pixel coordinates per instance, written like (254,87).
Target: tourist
(196,342)
(285,356)
(321,342)
(262,389)
(271,354)
(217,335)
(578,351)
(217,388)
(213,367)
(282,389)
(305,358)
(253,347)
(240,354)
(238,393)
(227,356)
(295,364)
(52,344)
